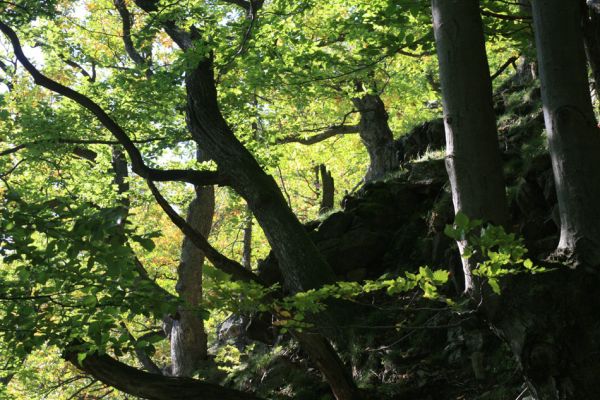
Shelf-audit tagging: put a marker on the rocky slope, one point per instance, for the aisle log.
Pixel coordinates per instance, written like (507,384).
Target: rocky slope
(405,347)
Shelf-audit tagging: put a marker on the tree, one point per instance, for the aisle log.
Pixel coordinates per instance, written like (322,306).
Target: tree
(563,371)
(573,135)
(472,152)
(186,328)
(377,136)
(302,265)
(347,62)
(93,169)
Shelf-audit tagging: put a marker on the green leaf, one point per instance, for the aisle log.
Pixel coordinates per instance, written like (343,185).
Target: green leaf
(440,276)
(451,232)
(494,285)
(81,357)
(89,301)
(461,220)
(146,243)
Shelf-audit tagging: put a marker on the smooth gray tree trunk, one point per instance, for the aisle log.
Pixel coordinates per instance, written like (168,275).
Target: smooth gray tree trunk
(573,134)
(247,241)
(186,332)
(472,153)
(188,337)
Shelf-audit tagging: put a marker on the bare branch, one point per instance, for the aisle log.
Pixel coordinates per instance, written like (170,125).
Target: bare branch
(231,267)
(507,17)
(508,63)
(127,19)
(70,141)
(251,8)
(326,134)
(90,77)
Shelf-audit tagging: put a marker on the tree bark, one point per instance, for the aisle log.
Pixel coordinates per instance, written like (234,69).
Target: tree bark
(303,267)
(591,35)
(376,135)
(324,356)
(188,337)
(247,242)
(327,189)
(151,386)
(573,135)
(301,264)
(550,322)
(472,153)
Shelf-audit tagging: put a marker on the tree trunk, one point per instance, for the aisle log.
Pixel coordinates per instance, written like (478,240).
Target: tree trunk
(188,337)
(376,135)
(327,189)
(550,321)
(302,265)
(472,153)
(591,34)
(573,135)
(324,356)
(247,249)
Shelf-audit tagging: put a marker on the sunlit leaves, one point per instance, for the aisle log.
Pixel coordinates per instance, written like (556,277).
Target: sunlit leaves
(68,273)
(498,253)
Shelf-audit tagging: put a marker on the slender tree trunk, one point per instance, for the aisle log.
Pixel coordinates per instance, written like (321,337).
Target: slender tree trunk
(121,174)
(188,337)
(472,153)
(573,135)
(186,329)
(247,245)
(376,135)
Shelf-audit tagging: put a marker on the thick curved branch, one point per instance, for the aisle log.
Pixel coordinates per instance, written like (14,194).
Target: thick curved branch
(511,61)
(233,268)
(179,36)
(69,141)
(137,163)
(90,77)
(151,386)
(506,17)
(326,134)
(127,19)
